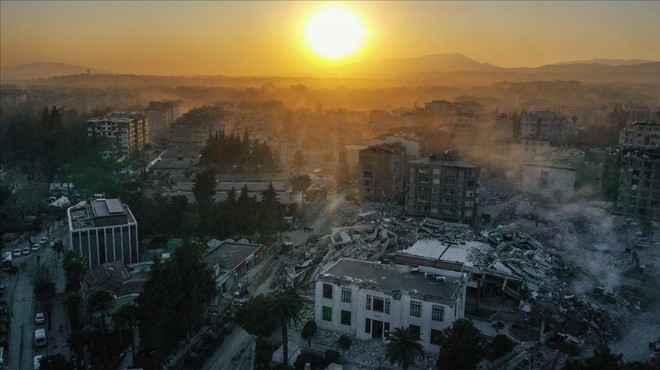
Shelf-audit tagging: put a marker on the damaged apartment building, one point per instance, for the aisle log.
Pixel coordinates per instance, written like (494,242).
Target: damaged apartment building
(442,187)
(639,183)
(382,172)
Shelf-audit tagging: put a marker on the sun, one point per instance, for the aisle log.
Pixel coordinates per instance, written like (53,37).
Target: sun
(334,33)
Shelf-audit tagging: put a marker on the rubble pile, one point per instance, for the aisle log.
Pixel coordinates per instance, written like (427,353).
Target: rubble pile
(582,319)
(495,191)
(631,297)
(448,232)
(369,352)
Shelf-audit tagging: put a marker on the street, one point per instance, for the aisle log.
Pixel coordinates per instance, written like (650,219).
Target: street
(19,292)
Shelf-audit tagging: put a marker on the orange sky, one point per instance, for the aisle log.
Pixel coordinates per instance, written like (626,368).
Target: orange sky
(263,38)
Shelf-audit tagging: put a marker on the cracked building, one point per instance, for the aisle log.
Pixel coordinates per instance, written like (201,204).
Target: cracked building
(445,189)
(381,172)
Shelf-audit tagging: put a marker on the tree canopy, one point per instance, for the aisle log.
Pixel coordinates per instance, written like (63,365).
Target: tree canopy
(404,347)
(462,346)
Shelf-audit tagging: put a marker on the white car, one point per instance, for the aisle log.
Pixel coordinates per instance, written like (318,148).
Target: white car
(39,318)
(35,247)
(43,240)
(17,252)
(25,251)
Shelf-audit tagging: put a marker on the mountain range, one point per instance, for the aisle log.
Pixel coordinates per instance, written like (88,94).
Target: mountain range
(443,69)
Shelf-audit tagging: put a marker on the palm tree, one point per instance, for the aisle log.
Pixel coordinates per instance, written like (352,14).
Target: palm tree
(127,316)
(403,347)
(100,302)
(285,308)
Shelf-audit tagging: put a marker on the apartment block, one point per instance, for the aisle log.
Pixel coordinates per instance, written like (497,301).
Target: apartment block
(640,134)
(446,189)
(381,174)
(556,180)
(545,125)
(639,183)
(126,133)
(369,299)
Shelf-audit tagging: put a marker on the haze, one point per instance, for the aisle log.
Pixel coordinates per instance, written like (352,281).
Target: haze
(266,38)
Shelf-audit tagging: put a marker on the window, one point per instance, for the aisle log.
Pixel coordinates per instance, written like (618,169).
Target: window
(415,308)
(436,336)
(416,330)
(327,291)
(368,302)
(367,325)
(387,305)
(379,304)
(346,317)
(346,295)
(438,313)
(327,313)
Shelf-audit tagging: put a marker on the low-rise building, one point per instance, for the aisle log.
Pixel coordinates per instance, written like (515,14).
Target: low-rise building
(103,230)
(230,261)
(369,299)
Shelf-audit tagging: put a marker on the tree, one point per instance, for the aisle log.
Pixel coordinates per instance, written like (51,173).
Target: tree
(204,187)
(58,247)
(127,317)
(254,316)
(500,346)
(74,270)
(462,346)
(55,362)
(403,347)
(298,161)
(270,214)
(285,309)
(308,331)
(100,303)
(44,291)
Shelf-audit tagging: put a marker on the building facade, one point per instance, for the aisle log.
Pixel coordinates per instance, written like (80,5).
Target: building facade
(639,183)
(443,189)
(161,114)
(544,125)
(640,134)
(381,173)
(103,230)
(126,133)
(555,180)
(368,300)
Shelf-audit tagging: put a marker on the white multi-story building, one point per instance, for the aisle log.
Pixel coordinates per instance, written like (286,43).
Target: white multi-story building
(369,299)
(126,133)
(640,134)
(103,230)
(545,125)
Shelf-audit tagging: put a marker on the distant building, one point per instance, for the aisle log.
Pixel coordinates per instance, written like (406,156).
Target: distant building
(126,133)
(592,172)
(502,128)
(550,179)
(381,172)
(442,188)
(103,230)
(545,125)
(161,115)
(368,300)
(640,134)
(639,183)
(413,147)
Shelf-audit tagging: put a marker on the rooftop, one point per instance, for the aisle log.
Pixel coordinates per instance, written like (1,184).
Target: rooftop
(230,254)
(437,250)
(645,123)
(551,164)
(392,277)
(436,161)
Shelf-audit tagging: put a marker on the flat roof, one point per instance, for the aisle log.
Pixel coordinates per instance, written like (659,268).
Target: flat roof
(107,207)
(549,164)
(443,162)
(391,277)
(438,250)
(230,254)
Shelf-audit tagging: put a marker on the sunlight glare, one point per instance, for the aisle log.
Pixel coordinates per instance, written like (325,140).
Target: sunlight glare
(334,33)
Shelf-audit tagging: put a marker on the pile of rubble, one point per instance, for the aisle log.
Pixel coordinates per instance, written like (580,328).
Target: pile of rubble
(495,191)
(580,318)
(631,297)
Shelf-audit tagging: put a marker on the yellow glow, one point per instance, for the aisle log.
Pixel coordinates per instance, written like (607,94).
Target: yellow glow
(334,33)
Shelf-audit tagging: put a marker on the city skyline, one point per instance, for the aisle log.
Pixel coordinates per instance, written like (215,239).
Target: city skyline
(267,38)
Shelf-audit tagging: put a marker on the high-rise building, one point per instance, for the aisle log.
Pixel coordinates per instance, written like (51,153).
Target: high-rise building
(104,230)
(640,134)
(545,125)
(446,189)
(639,183)
(126,133)
(382,172)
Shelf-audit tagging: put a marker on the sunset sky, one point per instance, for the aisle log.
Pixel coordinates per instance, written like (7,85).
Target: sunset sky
(264,38)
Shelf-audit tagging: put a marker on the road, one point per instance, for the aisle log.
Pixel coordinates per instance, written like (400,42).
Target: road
(22,305)
(233,352)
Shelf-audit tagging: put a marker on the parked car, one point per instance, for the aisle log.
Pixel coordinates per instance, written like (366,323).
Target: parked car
(17,252)
(43,240)
(26,251)
(35,247)
(39,318)
(40,339)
